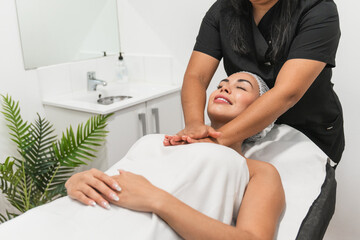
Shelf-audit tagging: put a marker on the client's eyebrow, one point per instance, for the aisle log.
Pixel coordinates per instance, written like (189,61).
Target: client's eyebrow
(244,80)
(224,80)
(239,80)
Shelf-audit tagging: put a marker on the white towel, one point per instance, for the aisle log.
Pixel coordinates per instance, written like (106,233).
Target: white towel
(209,177)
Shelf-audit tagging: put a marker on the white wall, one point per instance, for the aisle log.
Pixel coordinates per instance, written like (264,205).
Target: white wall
(346,221)
(166,27)
(162,27)
(22,85)
(14,80)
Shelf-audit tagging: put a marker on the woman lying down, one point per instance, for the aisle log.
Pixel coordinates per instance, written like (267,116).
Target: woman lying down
(262,202)
(190,191)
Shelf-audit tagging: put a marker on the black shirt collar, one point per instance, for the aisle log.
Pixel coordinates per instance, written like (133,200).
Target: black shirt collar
(262,33)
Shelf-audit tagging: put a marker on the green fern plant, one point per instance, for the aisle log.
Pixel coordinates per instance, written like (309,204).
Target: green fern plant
(39,172)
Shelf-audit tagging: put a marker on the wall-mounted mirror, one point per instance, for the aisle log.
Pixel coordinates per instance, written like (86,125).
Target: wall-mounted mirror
(58,31)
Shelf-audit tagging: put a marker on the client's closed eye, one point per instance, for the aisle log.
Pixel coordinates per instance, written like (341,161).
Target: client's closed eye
(241,88)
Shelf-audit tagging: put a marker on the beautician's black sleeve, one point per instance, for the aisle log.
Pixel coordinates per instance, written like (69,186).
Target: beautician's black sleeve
(318,34)
(208,39)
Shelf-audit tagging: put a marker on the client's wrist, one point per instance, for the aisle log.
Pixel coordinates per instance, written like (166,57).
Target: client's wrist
(159,201)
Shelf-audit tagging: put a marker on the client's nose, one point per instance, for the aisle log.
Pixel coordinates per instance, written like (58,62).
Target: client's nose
(225,89)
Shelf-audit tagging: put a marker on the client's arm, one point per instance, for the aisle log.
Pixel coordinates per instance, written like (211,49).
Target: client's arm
(258,216)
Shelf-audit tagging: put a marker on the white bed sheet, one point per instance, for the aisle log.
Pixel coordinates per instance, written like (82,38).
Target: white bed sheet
(190,170)
(302,168)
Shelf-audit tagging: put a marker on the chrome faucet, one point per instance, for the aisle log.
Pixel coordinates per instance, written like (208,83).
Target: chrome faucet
(92,82)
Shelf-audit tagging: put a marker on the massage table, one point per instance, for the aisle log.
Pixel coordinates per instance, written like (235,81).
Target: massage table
(298,159)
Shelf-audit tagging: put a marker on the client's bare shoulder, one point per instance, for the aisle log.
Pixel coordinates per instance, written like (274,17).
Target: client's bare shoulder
(269,177)
(263,168)
(263,202)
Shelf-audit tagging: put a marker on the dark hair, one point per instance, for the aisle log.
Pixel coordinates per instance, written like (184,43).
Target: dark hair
(237,15)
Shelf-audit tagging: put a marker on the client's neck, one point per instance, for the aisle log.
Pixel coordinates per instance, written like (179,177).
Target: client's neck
(236,146)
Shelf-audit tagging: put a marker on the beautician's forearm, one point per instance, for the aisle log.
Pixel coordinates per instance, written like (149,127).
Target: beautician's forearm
(191,224)
(193,99)
(199,72)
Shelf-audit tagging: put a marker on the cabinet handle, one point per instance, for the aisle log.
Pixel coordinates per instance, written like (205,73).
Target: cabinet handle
(155,112)
(142,117)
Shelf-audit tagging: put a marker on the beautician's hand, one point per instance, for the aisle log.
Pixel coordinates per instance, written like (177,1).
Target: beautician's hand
(90,186)
(194,131)
(205,140)
(137,192)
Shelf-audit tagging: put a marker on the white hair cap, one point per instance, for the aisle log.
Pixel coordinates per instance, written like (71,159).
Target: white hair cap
(263,88)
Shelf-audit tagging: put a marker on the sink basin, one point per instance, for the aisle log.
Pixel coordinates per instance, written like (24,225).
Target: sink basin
(112,99)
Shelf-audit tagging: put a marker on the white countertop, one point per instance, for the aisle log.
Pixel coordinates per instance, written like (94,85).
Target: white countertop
(86,101)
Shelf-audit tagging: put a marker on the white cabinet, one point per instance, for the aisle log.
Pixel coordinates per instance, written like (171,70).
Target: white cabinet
(159,115)
(124,129)
(165,114)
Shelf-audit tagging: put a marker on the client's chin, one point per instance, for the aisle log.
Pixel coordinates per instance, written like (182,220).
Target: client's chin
(219,119)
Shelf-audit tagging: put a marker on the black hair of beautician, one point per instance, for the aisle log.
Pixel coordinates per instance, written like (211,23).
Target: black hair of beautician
(238,14)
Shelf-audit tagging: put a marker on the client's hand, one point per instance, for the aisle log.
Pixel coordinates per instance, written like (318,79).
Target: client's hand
(90,186)
(137,192)
(191,133)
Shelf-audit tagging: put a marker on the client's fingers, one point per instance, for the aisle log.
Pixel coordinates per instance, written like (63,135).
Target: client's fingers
(81,197)
(92,194)
(101,187)
(106,179)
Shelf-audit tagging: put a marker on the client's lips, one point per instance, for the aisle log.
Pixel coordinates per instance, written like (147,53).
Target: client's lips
(222,99)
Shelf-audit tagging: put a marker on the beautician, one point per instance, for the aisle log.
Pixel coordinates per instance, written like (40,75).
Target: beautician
(292,45)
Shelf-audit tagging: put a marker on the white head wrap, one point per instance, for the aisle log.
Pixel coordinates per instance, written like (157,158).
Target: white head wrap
(263,88)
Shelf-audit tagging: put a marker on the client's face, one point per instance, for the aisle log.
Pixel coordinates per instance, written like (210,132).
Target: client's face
(233,96)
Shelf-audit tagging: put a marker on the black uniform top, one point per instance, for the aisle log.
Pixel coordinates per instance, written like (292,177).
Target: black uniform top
(318,114)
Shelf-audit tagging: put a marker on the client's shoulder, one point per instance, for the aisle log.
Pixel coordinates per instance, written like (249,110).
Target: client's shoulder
(265,169)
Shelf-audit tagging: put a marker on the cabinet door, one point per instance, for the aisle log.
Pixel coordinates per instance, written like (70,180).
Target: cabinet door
(125,128)
(165,114)
(62,119)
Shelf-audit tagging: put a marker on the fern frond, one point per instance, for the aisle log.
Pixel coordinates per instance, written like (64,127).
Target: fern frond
(72,150)
(39,160)
(12,184)
(8,216)
(39,175)
(6,174)
(19,128)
